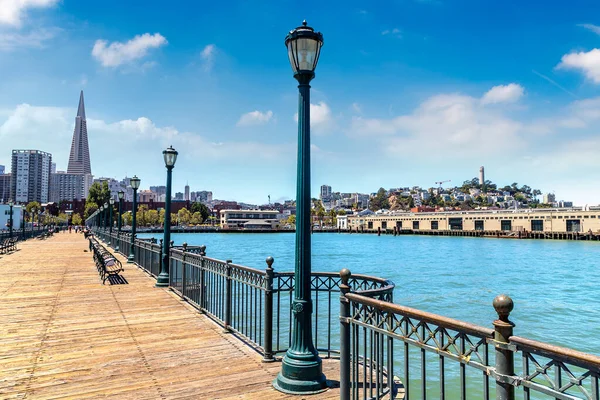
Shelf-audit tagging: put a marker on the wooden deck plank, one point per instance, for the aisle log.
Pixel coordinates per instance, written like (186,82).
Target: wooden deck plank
(65,335)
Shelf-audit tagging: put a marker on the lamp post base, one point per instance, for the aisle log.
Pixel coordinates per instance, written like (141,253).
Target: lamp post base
(162,280)
(301,376)
(130,259)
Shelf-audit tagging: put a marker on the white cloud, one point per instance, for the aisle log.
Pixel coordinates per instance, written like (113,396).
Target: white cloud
(321,119)
(591,27)
(356,108)
(586,62)
(117,53)
(255,118)
(208,55)
(503,94)
(10,41)
(393,32)
(12,12)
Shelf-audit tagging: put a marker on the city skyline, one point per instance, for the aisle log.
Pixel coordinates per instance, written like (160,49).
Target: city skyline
(414,98)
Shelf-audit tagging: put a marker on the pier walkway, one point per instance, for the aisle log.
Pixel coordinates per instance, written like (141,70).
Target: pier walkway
(65,335)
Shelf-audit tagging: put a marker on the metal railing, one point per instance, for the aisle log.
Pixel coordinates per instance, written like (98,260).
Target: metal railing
(386,350)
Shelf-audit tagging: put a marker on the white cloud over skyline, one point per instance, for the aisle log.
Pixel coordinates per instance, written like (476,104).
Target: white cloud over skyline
(118,53)
(255,118)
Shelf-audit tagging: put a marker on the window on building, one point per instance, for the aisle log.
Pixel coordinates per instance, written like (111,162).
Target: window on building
(370,225)
(455,223)
(415,224)
(434,225)
(479,225)
(573,225)
(398,224)
(383,224)
(506,225)
(537,225)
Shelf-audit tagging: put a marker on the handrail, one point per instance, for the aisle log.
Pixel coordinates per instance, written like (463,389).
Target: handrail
(439,320)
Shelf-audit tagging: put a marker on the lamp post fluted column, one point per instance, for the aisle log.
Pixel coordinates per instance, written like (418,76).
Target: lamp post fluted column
(301,370)
(121,194)
(135,184)
(23,225)
(170,156)
(10,221)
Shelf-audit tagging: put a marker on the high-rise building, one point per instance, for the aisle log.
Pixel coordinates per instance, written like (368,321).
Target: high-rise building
(325,192)
(549,198)
(5,188)
(204,196)
(159,190)
(187,192)
(64,186)
(53,168)
(79,158)
(2,169)
(30,179)
(179,196)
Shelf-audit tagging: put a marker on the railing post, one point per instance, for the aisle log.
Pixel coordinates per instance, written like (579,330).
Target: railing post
(268,347)
(183,277)
(228,296)
(202,288)
(505,366)
(160,256)
(344,335)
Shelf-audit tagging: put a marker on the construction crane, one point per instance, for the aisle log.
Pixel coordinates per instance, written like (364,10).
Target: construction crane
(440,182)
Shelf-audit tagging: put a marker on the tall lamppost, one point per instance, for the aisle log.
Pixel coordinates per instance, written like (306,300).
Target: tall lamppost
(106,215)
(101,221)
(23,224)
(170,156)
(120,194)
(110,217)
(10,221)
(301,370)
(39,213)
(135,184)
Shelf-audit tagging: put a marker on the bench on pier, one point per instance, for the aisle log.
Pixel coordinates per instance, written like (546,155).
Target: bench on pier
(8,245)
(106,263)
(45,235)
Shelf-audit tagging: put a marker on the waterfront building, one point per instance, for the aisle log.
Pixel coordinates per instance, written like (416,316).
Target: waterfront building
(5,216)
(531,220)
(79,157)
(146,196)
(249,219)
(30,179)
(65,186)
(5,188)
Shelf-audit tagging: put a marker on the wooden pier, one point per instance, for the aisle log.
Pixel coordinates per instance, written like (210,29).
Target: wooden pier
(65,335)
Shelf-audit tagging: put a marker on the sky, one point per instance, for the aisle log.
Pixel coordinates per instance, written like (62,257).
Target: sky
(407,92)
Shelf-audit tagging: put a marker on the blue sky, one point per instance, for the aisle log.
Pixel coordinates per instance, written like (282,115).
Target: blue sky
(407,92)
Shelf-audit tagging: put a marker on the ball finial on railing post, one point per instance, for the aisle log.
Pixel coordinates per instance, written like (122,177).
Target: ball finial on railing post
(269,262)
(184,245)
(503,305)
(203,250)
(345,274)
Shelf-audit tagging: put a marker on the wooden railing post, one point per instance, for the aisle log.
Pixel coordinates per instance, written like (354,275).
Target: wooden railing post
(268,347)
(228,295)
(344,335)
(505,366)
(183,274)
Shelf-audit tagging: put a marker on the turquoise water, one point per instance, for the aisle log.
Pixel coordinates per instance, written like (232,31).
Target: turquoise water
(554,284)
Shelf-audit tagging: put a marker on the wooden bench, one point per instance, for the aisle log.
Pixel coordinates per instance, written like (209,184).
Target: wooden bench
(106,263)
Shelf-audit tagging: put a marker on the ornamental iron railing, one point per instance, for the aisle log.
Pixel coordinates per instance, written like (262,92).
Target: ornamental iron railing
(386,350)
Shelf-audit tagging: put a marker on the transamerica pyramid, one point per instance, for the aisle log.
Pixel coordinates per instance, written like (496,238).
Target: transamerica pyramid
(79,159)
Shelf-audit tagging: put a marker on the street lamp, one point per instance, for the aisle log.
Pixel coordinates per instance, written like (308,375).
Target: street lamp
(170,156)
(101,217)
(135,184)
(105,215)
(10,221)
(23,224)
(110,217)
(120,194)
(302,370)
(39,221)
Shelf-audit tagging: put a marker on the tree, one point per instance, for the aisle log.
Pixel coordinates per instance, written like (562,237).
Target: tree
(99,194)
(142,215)
(332,216)
(196,218)
(76,219)
(32,210)
(127,218)
(291,219)
(90,208)
(184,216)
(202,209)
(379,201)
(152,217)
